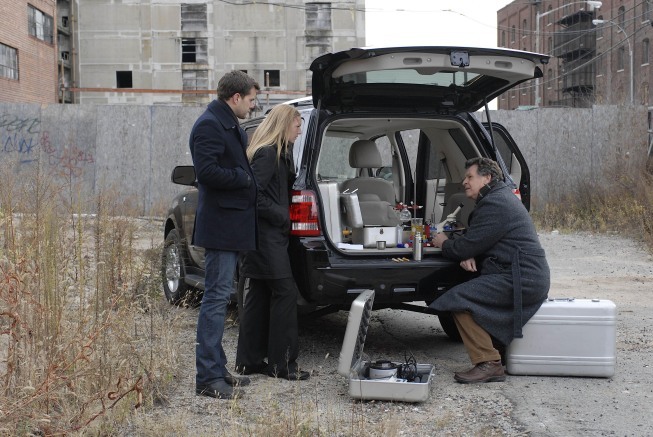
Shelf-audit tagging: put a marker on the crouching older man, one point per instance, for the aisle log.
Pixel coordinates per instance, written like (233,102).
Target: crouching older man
(501,244)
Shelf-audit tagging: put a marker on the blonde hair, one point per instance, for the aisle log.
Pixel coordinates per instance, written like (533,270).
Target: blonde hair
(273,130)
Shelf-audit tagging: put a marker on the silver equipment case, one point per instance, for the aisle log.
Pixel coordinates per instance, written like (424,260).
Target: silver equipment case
(567,337)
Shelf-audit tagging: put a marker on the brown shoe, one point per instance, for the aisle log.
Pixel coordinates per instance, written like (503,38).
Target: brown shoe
(488,371)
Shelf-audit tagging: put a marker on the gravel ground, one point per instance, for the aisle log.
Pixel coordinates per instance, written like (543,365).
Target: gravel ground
(583,266)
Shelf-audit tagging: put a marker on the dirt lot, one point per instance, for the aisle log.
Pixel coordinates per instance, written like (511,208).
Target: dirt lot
(583,266)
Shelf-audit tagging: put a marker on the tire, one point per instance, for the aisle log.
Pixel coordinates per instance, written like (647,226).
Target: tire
(173,269)
(449,327)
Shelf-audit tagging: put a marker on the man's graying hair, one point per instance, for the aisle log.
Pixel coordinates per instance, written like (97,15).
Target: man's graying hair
(486,167)
(235,82)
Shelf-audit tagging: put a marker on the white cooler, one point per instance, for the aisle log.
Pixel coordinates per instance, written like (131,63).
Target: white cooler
(567,337)
(361,374)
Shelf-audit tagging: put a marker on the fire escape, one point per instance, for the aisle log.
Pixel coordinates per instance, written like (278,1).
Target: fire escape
(575,45)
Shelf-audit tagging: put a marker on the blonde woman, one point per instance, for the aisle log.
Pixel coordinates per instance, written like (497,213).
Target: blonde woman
(268,322)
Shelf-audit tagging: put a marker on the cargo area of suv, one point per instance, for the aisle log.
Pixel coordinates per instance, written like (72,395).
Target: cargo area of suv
(385,129)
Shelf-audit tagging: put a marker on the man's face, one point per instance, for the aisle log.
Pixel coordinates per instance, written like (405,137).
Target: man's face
(294,130)
(473,182)
(243,104)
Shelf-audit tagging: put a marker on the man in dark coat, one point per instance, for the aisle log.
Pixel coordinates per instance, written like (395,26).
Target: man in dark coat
(225,222)
(501,244)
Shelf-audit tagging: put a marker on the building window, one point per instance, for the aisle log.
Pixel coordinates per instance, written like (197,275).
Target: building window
(599,29)
(318,16)
(39,24)
(524,28)
(512,34)
(646,11)
(272,78)
(194,51)
(550,45)
(550,15)
(560,73)
(645,49)
(600,64)
(503,38)
(195,79)
(8,62)
(621,18)
(193,17)
(621,58)
(124,79)
(549,79)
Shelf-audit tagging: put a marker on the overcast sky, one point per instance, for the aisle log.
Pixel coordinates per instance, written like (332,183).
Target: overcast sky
(432,22)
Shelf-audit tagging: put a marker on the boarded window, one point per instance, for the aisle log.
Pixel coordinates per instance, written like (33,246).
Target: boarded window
(193,17)
(318,16)
(645,49)
(194,51)
(8,62)
(39,24)
(195,79)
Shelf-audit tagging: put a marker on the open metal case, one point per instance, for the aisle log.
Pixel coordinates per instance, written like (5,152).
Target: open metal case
(352,366)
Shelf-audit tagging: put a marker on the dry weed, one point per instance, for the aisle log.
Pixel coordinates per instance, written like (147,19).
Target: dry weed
(80,317)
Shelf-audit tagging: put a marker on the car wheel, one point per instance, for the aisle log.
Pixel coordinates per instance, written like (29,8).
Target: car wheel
(449,326)
(173,269)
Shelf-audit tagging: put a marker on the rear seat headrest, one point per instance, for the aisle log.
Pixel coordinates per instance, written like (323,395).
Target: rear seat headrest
(364,154)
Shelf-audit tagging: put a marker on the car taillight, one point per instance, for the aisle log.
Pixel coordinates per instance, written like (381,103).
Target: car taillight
(303,214)
(516,192)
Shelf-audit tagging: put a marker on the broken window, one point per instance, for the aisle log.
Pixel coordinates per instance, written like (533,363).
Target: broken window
(124,79)
(193,50)
(8,62)
(39,24)
(193,17)
(272,78)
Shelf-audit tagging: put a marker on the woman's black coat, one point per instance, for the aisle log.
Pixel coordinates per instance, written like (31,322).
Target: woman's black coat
(274,179)
(514,275)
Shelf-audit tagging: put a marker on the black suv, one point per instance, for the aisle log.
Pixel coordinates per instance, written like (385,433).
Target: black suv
(384,128)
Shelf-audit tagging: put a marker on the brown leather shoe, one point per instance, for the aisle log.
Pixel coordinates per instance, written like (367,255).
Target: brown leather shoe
(488,371)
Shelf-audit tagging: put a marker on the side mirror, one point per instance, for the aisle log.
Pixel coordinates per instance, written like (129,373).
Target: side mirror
(184,175)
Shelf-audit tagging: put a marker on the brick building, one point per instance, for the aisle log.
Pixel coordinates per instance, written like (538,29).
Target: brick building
(601,51)
(28,51)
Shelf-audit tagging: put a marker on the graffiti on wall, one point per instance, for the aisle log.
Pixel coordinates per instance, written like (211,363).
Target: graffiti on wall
(24,138)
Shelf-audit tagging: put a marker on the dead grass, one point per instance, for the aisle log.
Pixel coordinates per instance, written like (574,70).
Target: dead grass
(81,316)
(622,205)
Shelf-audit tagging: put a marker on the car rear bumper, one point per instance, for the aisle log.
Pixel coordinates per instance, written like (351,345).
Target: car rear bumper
(326,277)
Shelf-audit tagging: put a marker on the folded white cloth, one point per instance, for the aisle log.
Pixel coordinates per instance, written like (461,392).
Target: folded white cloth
(350,246)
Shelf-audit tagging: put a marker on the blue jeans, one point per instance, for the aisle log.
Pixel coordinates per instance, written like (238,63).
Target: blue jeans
(210,360)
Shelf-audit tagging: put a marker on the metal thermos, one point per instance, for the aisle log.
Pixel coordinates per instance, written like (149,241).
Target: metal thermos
(417,246)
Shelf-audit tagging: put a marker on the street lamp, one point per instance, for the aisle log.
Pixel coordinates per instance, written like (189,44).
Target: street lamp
(630,52)
(592,4)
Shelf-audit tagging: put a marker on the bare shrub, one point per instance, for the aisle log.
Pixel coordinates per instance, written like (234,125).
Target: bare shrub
(81,323)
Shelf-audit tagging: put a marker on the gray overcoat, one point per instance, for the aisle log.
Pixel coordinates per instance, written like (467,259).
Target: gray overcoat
(514,275)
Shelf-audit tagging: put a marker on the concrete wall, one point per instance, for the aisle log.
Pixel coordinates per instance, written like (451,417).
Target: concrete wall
(567,148)
(131,150)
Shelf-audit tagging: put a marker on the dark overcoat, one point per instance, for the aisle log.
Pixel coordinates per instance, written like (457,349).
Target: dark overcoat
(514,275)
(226,209)
(274,179)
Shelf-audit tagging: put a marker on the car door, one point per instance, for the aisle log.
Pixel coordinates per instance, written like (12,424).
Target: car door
(506,150)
